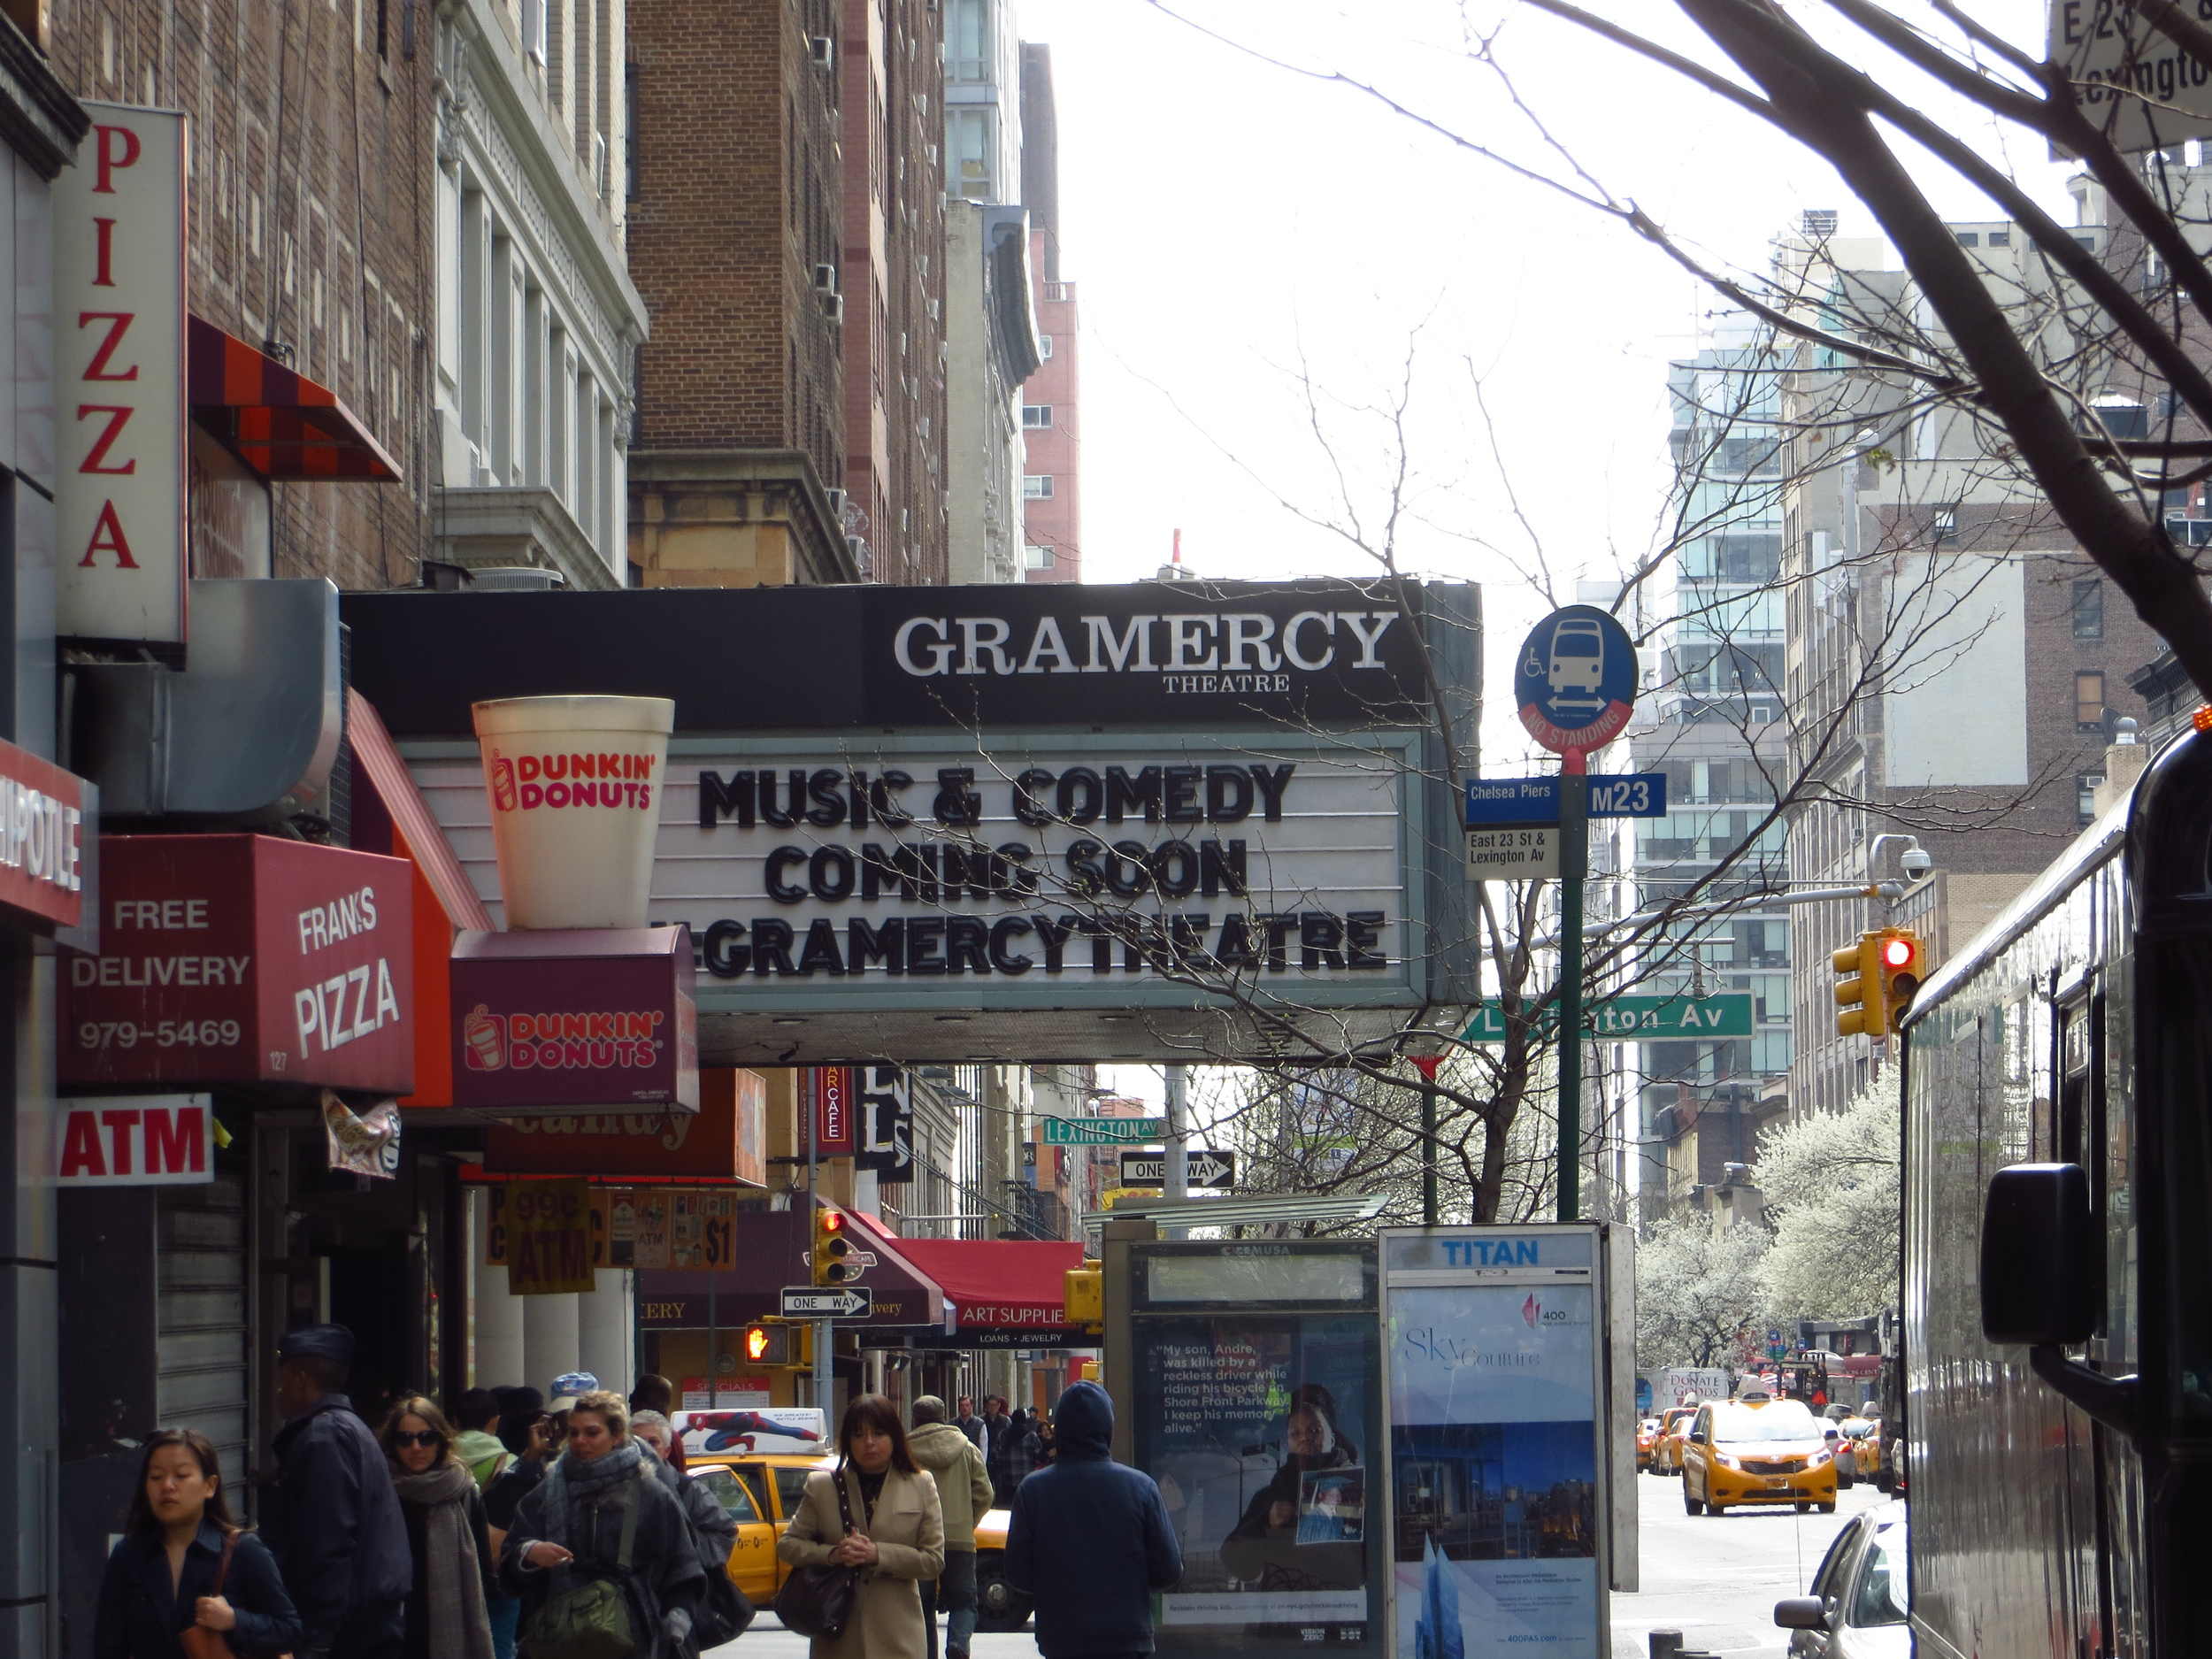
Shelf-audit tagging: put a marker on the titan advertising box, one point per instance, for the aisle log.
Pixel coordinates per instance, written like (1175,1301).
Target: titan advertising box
(570,1018)
(243,959)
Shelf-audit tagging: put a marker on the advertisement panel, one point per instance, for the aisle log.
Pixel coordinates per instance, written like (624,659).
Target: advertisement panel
(243,959)
(830,1088)
(1499,1501)
(119,379)
(587,1018)
(548,1238)
(1256,1409)
(45,851)
(723,1140)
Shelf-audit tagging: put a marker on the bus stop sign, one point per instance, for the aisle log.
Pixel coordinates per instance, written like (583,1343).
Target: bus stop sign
(1574,682)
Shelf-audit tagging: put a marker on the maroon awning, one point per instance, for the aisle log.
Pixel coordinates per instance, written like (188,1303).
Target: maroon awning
(280,423)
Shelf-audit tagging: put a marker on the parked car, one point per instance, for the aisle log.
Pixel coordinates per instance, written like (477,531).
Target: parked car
(1857,1609)
(1770,1452)
(763,1494)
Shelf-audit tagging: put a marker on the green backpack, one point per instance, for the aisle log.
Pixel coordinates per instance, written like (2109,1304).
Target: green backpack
(592,1621)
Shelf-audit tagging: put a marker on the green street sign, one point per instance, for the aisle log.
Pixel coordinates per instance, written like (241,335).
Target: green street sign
(1637,1020)
(1104,1131)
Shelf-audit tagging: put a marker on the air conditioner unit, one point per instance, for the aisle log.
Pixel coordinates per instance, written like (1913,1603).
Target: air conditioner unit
(825,51)
(833,307)
(826,279)
(933,310)
(836,501)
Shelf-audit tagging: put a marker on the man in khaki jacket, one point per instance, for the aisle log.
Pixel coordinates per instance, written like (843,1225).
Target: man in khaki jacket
(964,1487)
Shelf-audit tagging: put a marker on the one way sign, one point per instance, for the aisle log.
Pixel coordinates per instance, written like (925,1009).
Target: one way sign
(1217,1170)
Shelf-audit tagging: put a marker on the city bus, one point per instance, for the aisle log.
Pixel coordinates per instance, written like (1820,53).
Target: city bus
(2057,1151)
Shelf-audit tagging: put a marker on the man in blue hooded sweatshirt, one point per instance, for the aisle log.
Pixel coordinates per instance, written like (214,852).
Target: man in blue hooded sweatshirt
(1090,1541)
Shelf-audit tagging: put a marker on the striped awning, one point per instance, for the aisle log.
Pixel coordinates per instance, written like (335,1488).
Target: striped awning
(280,423)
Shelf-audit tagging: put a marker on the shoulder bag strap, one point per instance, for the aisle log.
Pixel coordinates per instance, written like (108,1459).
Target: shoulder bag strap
(222,1567)
(844,1500)
(629,1522)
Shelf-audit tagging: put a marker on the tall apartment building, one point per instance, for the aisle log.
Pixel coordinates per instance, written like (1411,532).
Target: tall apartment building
(990,327)
(1718,737)
(1956,663)
(538,321)
(736,233)
(1052,432)
(893,284)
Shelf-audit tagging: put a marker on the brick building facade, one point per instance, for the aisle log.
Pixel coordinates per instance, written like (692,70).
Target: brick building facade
(736,232)
(1052,426)
(308,203)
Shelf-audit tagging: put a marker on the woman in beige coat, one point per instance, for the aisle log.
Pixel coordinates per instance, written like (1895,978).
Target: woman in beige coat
(897,1540)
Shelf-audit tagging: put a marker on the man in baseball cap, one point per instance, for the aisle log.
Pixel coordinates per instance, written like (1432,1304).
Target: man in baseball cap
(569,1387)
(342,1544)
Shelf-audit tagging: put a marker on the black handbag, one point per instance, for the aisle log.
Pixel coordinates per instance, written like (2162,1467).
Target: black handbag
(817,1601)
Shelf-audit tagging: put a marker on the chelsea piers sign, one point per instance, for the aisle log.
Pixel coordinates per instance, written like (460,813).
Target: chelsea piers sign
(1046,823)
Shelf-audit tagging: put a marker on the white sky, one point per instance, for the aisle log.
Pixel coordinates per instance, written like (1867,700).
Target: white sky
(1239,233)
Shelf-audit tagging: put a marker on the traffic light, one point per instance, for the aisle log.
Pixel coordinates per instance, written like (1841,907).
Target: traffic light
(1084,1297)
(1861,1011)
(831,1246)
(767,1344)
(1903,962)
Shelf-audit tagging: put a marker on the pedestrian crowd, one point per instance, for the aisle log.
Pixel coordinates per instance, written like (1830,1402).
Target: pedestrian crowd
(567,1528)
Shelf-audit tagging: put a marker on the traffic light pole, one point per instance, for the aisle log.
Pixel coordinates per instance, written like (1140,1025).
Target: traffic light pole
(1574,862)
(821,1327)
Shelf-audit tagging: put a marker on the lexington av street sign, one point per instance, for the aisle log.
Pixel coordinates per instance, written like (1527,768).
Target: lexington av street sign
(1639,1019)
(1104,1132)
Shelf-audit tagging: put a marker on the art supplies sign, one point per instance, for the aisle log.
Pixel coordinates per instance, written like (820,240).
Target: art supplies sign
(1491,1362)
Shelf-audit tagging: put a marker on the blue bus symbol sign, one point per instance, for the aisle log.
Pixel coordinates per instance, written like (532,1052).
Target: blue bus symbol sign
(1574,682)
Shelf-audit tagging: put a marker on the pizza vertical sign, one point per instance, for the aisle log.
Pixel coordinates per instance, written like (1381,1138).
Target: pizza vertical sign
(119,379)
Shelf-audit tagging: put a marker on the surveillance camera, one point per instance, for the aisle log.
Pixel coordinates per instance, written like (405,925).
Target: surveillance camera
(1917,862)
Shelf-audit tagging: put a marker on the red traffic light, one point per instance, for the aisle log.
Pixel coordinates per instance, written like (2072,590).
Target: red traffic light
(833,1222)
(1897,953)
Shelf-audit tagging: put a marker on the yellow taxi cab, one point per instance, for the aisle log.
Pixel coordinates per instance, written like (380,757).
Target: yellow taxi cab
(1756,1451)
(1646,1436)
(1666,1451)
(999,1605)
(762,1493)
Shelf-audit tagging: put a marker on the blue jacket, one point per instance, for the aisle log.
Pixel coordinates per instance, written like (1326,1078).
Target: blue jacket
(1090,1538)
(141,1617)
(343,1544)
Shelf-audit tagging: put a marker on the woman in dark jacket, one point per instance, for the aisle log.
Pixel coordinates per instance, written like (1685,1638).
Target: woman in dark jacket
(161,1578)
(568,1531)
(445,1535)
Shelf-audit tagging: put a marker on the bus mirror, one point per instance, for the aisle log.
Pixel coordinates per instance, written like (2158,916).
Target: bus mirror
(2042,1266)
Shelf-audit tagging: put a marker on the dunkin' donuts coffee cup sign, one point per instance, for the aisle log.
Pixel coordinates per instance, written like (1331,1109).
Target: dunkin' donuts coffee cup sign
(574,784)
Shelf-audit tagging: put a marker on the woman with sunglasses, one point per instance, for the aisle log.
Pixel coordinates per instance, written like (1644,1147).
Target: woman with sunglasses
(445,1535)
(161,1578)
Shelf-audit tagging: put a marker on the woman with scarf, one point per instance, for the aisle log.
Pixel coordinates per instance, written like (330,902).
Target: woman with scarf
(447,1616)
(898,1537)
(1267,1537)
(568,1531)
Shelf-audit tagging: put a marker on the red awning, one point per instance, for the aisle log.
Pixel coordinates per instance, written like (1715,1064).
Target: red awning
(418,828)
(1000,1284)
(280,424)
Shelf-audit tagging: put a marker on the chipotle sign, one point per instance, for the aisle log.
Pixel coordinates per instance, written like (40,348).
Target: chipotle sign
(569,1019)
(43,860)
(243,959)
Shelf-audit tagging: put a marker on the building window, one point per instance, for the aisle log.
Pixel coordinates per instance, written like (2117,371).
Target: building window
(2089,607)
(1969,239)
(1044,345)
(2086,798)
(534,31)
(1036,558)
(1038,486)
(2001,239)
(1944,520)
(1036,414)
(629,133)
(2089,702)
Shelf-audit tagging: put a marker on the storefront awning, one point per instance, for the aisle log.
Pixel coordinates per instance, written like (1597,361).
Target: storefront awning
(280,423)
(1001,1284)
(767,1252)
